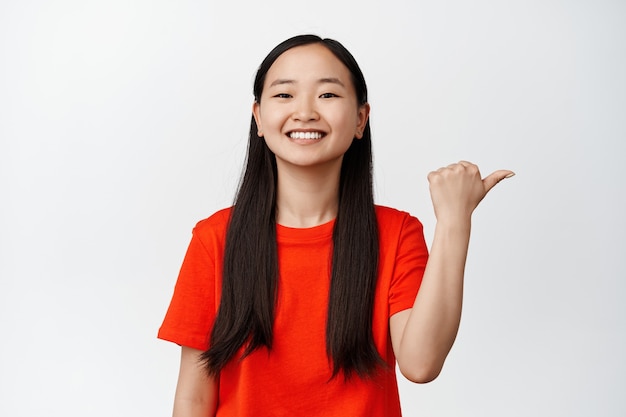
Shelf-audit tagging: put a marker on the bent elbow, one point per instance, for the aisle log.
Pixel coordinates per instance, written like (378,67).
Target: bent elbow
(421,374)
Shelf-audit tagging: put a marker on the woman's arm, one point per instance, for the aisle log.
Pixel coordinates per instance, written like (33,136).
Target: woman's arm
(423,335)
(196,392)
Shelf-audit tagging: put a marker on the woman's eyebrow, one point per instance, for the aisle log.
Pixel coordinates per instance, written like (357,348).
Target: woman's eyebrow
(331,80)
(281,81)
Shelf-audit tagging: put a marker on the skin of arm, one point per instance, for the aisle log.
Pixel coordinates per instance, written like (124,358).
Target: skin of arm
(423,335)
(196,392)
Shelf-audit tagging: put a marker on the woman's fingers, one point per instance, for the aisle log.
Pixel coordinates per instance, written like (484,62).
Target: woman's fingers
(492,179)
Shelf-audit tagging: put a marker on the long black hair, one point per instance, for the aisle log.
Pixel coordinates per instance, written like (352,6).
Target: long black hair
(249,290)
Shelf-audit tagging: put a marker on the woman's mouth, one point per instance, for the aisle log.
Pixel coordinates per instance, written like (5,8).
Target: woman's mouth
(306,135)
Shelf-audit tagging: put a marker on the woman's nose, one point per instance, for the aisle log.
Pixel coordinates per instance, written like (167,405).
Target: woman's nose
(305,110)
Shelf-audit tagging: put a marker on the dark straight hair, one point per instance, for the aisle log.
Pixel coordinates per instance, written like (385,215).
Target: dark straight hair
(250,275)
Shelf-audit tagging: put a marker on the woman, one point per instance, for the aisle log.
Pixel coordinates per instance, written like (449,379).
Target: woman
(300,298)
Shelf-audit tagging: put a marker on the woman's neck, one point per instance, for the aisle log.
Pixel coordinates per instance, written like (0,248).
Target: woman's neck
(307,197)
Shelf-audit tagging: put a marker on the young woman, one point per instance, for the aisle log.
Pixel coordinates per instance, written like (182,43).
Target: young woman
(299,299)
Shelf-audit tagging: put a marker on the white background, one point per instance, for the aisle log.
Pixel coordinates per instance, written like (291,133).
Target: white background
(122,123)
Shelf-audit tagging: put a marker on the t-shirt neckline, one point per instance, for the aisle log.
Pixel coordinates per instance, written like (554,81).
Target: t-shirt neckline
(321,231)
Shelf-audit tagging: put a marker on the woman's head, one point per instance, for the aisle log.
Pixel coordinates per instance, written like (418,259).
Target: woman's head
(308,112)
(258,147)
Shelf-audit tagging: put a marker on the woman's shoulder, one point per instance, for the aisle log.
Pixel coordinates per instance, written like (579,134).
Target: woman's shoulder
(390,214)
(215,223)
(392,218)
(399,232)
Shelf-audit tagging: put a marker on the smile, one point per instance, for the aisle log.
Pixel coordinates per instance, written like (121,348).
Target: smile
(306,135)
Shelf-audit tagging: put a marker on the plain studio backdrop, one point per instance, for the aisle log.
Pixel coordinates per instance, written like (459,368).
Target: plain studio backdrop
(123,123)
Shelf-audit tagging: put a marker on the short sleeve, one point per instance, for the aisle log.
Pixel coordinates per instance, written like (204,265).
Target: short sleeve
(191,312)
(410,263)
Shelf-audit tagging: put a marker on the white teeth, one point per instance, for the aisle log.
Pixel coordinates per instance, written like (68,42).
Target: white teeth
(305,135)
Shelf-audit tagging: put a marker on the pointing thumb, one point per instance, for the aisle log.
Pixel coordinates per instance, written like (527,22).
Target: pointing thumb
(491,180)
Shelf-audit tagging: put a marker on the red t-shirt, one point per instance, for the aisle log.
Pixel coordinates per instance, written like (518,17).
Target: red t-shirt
(294,377)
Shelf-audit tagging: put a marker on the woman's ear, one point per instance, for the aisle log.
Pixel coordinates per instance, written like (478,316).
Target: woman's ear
(256,112)
(362,117)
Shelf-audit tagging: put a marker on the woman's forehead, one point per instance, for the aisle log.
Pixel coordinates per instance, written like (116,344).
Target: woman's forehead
(312,62)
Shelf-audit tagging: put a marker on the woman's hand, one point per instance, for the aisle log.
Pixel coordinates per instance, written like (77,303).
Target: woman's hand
(457,189)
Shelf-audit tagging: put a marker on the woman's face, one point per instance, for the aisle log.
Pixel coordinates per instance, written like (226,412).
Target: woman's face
(308,112)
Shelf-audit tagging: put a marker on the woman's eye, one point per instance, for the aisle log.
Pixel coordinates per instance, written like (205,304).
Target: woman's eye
(328,95)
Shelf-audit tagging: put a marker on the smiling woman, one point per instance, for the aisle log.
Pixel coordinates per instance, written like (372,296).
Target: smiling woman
(300,298)
(309,99)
